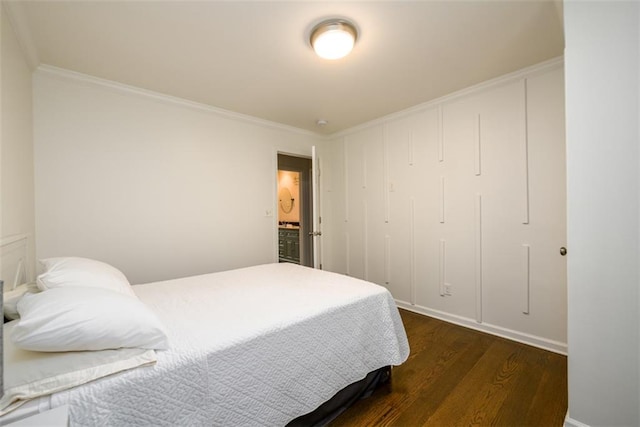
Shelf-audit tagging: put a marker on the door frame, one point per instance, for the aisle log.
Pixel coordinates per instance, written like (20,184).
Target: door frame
(306,206)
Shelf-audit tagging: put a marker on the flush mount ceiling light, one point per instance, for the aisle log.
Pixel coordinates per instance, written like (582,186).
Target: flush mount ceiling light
(334,38)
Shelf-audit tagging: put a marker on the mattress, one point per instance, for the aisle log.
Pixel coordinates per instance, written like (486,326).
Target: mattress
(257,346)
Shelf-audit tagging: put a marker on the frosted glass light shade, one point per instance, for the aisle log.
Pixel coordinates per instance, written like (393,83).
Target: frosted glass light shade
(333,39)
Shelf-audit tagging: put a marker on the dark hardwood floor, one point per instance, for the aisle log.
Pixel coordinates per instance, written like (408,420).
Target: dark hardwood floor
(460,377)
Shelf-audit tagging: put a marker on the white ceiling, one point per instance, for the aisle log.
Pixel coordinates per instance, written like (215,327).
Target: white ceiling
(254,57)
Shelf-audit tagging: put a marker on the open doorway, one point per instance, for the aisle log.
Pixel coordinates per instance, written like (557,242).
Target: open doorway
(295,210)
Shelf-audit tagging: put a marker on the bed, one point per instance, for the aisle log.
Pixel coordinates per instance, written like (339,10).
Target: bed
(267,345)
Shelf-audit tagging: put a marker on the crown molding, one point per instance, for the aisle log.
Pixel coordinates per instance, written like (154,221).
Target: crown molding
(489,84)
(18,20)
(85,79)
(81,78)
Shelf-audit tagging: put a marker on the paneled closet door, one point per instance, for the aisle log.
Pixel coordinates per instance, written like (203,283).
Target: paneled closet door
(460,211)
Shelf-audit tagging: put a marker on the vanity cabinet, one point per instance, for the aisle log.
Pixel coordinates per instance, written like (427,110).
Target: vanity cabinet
(289,245)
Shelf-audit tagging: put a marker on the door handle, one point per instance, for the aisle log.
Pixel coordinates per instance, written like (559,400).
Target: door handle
(315,233)
(563,251)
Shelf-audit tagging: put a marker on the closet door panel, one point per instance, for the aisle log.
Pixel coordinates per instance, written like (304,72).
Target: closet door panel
(400,158)
(459,127)
(363,200)
(547,183)
(503,189)
(354,212)
(426,191)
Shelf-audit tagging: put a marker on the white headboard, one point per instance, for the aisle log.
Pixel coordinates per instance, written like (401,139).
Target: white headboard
(14,261)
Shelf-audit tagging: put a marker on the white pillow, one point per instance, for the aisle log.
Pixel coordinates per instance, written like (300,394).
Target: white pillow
(75,318)
(73,271)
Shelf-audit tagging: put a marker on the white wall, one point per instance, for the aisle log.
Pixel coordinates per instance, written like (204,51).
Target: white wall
(16,149)
(160,188)
(603,192)
(404,193)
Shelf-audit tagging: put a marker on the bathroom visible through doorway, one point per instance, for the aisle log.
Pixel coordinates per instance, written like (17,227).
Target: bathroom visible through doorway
(295,210)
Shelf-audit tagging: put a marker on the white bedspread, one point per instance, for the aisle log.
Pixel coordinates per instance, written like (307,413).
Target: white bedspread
(255,346)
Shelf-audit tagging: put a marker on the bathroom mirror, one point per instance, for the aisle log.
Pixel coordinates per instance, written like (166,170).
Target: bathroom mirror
(286,201)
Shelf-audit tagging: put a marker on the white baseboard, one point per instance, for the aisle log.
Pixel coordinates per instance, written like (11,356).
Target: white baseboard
(570,422)
(533,340)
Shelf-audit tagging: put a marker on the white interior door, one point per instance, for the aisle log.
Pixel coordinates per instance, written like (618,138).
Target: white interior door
(317,221)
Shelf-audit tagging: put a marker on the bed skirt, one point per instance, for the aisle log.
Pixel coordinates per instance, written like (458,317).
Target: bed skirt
(343,399)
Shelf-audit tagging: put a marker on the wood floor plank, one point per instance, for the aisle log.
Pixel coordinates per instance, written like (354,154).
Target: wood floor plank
(433,393)
(549,404)
(479,395)
(521,400)
(431,366)
(458,376)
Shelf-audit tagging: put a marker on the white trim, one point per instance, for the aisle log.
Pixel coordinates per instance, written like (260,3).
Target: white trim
(441,266)
(441,199)
(526,277)
(412,249)
(387,259)
(477,167)
(365,238)
(410,148)
(524,117)
(489,84)
(385,172)
(440,135)
(15,238)
(533,340)
(347,243)
(19,23)
(85,79)
(345,177)
(24,267)
(124,88)
(570,422)
(478,257)
(274,206)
